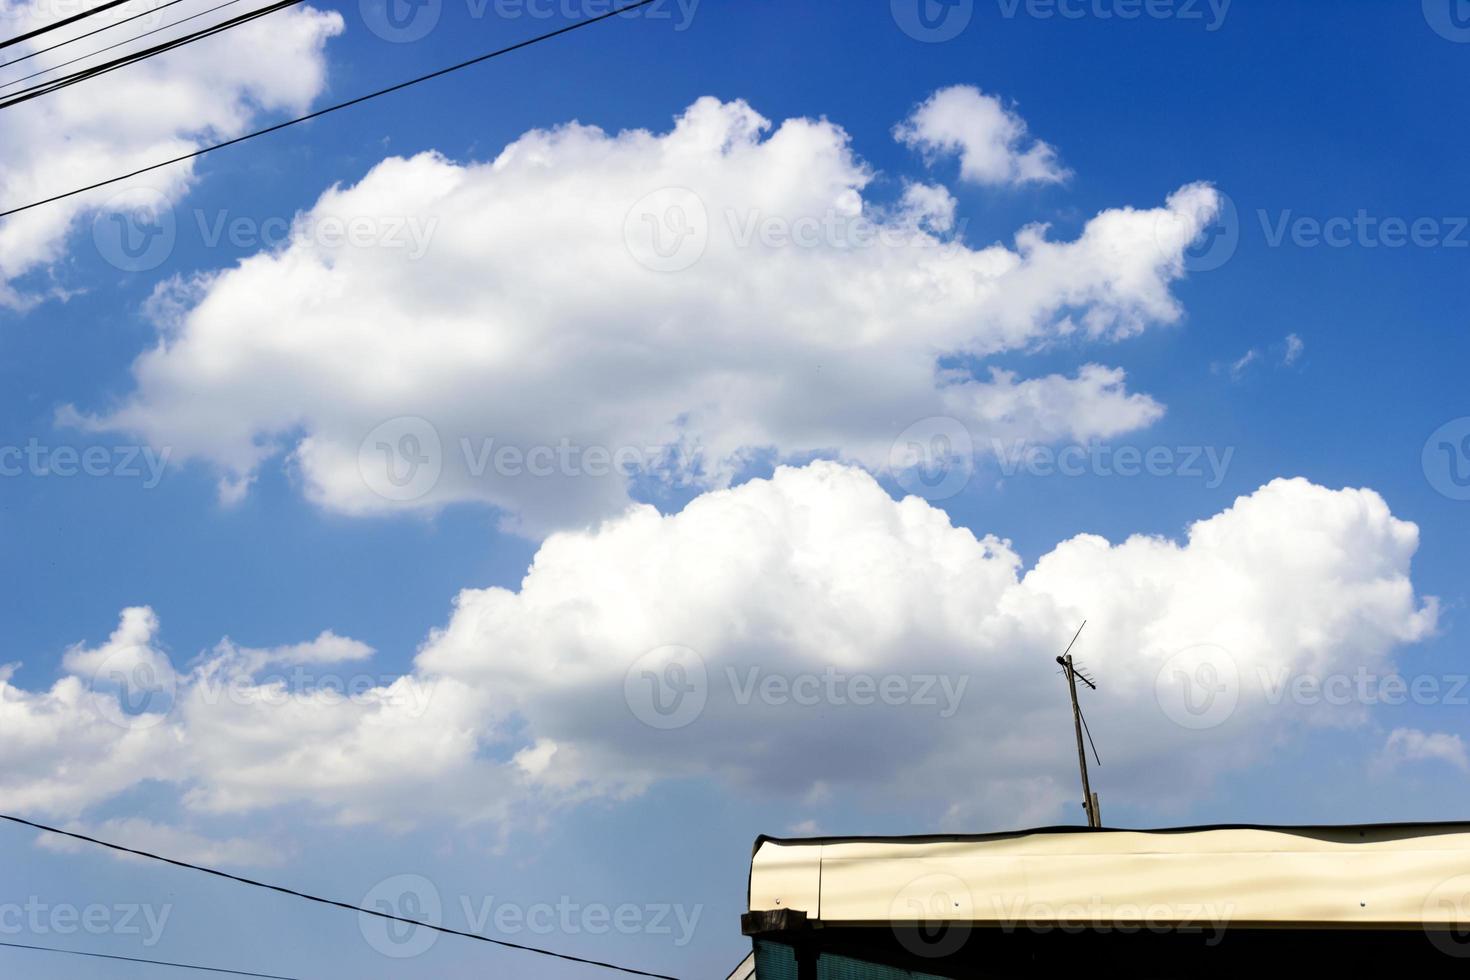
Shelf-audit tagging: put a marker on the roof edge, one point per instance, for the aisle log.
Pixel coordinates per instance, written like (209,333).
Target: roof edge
(1429,825)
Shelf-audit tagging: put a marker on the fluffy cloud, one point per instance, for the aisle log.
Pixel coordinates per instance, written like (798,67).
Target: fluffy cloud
(63,749)
(167,106)
(1412,745)
(987,137)
(802,635)
(672,303)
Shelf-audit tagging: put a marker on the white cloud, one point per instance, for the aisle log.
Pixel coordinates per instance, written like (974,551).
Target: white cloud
(1236,369)
(327,648)
(61,749)
(1412,745)
(135,116)
(528,321)
(129,651)
(1290,351)
(1294,348)
(990,140)
(540,697)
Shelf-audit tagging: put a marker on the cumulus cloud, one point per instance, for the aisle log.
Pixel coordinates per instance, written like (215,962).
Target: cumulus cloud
(128,652)
(803,635)
(164,107)
(62,749)
(1412,745)
(588,304)
(327,648)
(989,139)
(239,727)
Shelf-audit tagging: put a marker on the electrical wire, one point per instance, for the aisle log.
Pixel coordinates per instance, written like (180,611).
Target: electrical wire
(137,37)
(46,88)
(328,901)
(1095,756)
(56,25)
(99,30)
(139,959)
(332,108)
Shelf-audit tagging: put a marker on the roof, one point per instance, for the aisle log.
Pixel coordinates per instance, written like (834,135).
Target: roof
(1380,876)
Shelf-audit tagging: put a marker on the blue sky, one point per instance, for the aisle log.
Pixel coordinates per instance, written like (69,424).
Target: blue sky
(1300,112)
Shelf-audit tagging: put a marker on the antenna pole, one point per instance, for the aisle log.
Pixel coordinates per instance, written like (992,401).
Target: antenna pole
(1089,799)
(1087,796)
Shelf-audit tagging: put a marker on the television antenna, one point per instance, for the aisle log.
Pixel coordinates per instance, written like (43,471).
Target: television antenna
(1075,673)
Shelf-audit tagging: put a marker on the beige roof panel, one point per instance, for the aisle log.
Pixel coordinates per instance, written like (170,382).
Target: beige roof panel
(1380,876)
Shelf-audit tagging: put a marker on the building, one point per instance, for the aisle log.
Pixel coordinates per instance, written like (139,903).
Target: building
(1194,901)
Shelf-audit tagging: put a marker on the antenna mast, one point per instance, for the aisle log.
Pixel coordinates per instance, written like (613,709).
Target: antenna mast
(1074,674)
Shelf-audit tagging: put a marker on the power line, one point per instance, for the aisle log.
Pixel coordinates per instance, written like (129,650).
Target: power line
(62,23)
(136,37)
(46,88)
(333,108)
(139,959)
(328,901)
(99,30)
